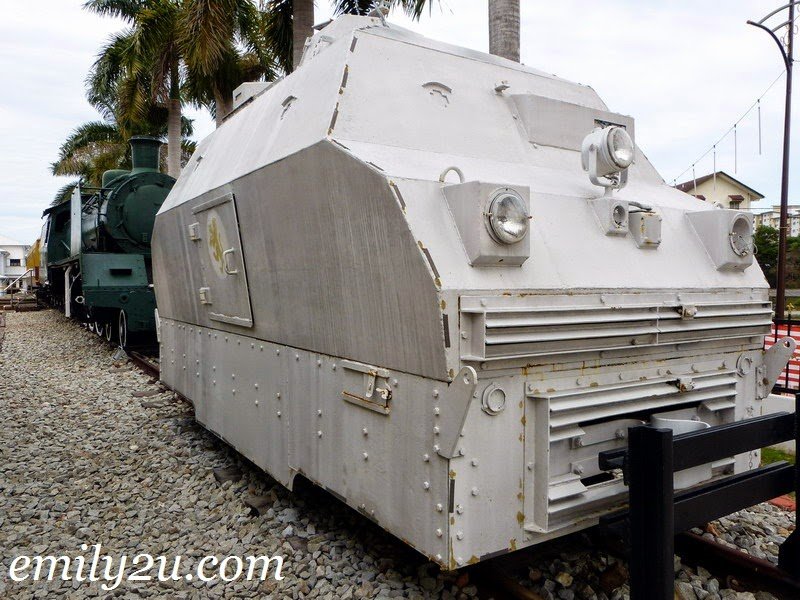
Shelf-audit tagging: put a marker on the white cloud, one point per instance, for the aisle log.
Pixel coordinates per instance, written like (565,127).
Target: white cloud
(685,70)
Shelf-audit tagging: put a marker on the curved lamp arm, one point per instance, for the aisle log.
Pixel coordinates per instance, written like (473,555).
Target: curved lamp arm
(774,37)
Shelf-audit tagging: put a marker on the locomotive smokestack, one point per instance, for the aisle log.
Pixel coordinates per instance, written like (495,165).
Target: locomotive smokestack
(144,153)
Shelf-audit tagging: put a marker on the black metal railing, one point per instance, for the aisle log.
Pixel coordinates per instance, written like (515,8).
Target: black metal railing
(656,512)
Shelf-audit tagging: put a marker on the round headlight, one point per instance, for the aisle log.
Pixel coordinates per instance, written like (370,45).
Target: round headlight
(507,219)
(741,236)
(620,147)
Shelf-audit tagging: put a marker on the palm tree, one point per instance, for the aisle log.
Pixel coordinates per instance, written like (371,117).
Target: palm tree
(223,45)
(97,146)
(142,64)
(290,22)
(175,51)
(504,25)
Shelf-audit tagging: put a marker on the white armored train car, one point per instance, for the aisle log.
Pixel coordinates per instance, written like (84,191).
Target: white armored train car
(413,274)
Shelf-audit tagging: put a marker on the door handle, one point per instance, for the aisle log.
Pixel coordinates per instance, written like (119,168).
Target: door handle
(226,263)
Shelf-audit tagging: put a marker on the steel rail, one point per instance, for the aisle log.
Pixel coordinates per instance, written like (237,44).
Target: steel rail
(150,367)
(732,566)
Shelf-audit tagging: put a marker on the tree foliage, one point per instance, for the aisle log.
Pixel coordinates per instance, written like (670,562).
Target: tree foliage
(279,16)
(766,243)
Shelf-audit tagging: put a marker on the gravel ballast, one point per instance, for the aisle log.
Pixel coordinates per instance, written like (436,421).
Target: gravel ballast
(94,451)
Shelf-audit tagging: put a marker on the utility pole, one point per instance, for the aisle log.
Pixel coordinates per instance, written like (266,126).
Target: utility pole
(787,52)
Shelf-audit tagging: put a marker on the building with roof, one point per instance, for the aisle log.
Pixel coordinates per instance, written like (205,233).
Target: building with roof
(12,264)
(722,189)
(772,218)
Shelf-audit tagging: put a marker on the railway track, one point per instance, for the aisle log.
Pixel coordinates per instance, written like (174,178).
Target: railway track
(145,362)
(740,571)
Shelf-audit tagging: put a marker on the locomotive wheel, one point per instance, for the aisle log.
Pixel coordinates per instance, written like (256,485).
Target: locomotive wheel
(90,326)
(122,330)
(98,328)
(107,331)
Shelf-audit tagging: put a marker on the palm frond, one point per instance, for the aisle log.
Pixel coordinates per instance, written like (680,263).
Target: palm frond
(207,29)
(121,9)
(278,32)
(82,142)
(112,64)
(353,7)
(65,192)
(415,8)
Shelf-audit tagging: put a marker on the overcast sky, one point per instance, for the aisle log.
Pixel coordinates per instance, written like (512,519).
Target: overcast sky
(686,70)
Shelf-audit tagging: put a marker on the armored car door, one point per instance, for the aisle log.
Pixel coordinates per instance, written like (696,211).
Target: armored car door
(223,293)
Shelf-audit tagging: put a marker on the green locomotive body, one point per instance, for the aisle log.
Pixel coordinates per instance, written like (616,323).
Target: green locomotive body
(97,248)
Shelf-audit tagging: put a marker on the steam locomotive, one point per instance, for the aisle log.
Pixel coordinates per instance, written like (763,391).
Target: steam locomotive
(96,247)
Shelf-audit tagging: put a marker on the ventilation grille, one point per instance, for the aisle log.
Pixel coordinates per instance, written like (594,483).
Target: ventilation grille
(569,408)
(498,329)
(571,426)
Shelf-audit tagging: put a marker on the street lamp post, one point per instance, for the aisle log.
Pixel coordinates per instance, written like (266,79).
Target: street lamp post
(787,52)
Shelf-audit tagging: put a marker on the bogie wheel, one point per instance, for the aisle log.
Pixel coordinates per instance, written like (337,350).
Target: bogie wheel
(122,335)
(108,331)
(98,328)
(90,326)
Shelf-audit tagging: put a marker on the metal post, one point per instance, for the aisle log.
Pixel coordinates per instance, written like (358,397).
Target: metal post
(652,508)
(780,299)
(788,59)
(789,552)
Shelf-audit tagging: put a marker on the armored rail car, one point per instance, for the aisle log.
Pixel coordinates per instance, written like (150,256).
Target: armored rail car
(414,274)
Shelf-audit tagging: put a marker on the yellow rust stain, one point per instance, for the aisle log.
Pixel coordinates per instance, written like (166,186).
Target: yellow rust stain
(522,420)
(594,384)
(473,560)
(520,497)
(521,438)
(452,474)
(214,240)
(443,304)
(520,518)
(549,390)
(512,545)
(452,520)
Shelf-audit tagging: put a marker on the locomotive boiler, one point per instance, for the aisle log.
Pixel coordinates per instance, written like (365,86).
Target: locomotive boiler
(438,284)
(98,248)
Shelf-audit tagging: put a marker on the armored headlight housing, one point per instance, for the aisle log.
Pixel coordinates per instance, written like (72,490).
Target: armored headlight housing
(606,154)
(741,236)
(507,218)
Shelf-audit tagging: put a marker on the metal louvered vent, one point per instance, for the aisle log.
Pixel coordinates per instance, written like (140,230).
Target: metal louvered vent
(570,426)
(502,327)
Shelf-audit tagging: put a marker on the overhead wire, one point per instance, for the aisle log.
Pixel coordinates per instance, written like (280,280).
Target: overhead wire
(732,128)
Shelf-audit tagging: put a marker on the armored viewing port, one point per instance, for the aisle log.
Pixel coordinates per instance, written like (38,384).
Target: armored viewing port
(656,512)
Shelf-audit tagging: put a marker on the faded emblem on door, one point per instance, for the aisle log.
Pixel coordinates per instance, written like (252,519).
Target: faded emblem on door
(217,243)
